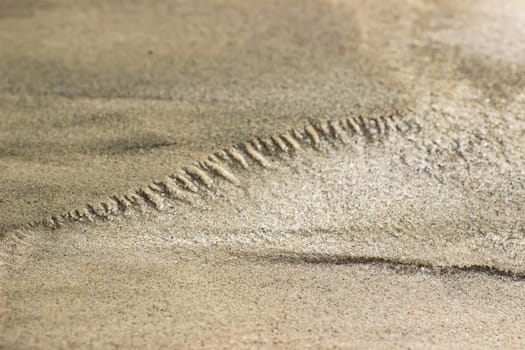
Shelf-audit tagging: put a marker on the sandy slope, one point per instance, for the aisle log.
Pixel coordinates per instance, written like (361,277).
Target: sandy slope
(283,259)
(101,98)
(138,296)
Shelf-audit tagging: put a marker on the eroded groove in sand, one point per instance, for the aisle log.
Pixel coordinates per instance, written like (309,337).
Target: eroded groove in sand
(397,265)
(257,154)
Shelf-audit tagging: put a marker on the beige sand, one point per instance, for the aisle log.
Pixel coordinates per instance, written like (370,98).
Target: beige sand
(137,296)
(100,98)
(403,228)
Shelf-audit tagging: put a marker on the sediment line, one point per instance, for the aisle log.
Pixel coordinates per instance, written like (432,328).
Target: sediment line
(185,182)
(200,176)
(291,141)
(397,265)
(222,171)
(256,155)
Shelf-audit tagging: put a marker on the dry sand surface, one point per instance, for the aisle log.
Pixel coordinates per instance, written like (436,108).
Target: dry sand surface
(262,174)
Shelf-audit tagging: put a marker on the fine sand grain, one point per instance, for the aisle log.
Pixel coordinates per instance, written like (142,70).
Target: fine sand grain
(218,174)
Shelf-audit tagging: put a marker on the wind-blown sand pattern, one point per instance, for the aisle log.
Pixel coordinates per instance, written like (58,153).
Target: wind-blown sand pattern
(255,174)
(197,177)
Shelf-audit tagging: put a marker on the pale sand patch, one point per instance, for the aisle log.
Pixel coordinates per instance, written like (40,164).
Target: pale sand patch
(274,262)
(100,98)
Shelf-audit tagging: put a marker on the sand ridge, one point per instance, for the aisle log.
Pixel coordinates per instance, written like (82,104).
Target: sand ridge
(193,178)
(262,174)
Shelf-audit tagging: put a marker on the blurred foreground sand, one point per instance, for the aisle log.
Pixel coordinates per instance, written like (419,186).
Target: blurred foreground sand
(99,98)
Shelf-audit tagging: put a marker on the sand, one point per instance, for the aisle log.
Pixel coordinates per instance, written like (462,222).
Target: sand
(354,174)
